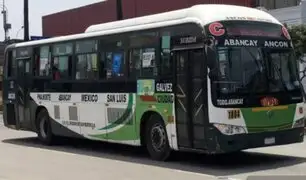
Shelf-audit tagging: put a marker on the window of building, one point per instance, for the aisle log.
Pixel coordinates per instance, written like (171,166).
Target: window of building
(62,61)
(87,60)
(44,61)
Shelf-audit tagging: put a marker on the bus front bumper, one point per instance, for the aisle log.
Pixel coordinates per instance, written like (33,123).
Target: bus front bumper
(226,144)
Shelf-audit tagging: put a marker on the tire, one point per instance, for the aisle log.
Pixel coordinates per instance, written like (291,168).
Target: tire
(157,143)
(44,130)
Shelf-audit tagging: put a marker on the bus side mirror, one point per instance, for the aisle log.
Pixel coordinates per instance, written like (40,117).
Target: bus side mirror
(212,75)
(207,42)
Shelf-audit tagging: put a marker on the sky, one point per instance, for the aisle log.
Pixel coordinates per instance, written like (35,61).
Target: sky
(37,9)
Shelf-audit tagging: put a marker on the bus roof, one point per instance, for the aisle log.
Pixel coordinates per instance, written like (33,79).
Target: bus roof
(207,13)
(201,14)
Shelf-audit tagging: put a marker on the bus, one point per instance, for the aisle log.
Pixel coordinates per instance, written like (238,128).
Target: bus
(211,79)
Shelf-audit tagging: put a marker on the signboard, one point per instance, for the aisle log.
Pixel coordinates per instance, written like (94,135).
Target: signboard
(35,38)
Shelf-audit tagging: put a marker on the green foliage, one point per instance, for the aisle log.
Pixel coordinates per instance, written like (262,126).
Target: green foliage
(298,35)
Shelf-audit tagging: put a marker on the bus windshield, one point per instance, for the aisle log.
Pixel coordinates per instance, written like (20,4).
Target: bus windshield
(256,70)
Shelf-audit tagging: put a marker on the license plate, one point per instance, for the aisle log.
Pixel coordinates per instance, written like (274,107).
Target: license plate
(270,140)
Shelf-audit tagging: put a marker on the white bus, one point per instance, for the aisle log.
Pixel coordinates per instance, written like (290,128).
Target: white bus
(209,78)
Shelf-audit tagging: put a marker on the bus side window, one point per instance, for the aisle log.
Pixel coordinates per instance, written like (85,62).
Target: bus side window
(87,60)
(166,60)
(62,61)
(115,64)
(143,54)
(143,63)
(44,61)
(11,63)
(62,67)
(135,63)
(102,67)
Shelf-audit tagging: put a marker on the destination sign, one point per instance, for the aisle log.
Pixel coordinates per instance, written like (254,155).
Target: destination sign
(257,29)
(232,42)
(23,53)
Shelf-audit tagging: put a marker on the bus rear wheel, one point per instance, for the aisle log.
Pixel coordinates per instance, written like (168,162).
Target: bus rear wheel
(44,130)
(156,139)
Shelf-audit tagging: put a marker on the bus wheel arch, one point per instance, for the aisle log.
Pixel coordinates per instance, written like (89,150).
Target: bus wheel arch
(43,125)
(152,122)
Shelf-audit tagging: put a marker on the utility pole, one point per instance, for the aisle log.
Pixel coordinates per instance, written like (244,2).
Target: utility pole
(6,26)
(26,19)
(119,10)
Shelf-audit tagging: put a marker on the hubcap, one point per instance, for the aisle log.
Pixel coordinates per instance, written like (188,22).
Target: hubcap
(158,137)
(43,127)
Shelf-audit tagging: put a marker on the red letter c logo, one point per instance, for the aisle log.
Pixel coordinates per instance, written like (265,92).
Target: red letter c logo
(216,29)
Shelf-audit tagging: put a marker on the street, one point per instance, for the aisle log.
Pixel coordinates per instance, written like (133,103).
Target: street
(23,157)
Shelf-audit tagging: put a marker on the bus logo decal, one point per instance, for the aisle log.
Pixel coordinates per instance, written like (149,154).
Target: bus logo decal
(269,102)
(286,33)
(216,29)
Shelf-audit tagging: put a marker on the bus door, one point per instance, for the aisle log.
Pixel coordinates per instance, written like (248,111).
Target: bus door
(191,98)
(23,89)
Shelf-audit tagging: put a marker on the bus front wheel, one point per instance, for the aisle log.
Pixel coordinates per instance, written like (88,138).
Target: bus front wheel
(44,130)
(156,139)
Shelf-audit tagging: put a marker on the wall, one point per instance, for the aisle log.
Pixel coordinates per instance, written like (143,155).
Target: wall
(276,4)
(291,15)
(77,20)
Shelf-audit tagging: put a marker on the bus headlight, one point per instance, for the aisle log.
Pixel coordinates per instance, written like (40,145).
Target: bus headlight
(299,123)
(230,129)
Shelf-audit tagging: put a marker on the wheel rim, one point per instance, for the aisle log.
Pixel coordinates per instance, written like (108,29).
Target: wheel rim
(158,137)
(43,127)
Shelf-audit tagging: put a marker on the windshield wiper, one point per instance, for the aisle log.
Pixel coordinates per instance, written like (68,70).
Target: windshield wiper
(259,66)
(279,75)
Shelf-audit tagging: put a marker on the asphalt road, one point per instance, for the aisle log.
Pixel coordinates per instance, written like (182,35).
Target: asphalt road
(23,157)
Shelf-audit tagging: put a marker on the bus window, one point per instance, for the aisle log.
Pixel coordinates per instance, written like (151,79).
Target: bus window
(11,63)
(87,60)
(61,67)
(166,61)
(62,61)
(143,54)
(44,61)
(115,64)
(143,63)
(103,67)
(87,66)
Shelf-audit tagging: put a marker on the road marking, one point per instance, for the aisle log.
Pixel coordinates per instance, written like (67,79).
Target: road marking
(206,175)
(194,173)
(227,178)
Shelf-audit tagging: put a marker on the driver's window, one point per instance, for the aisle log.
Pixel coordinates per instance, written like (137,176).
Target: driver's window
(223,62)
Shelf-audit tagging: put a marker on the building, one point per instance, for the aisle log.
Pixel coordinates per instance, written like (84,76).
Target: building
(77,20)
(293,15)
(277,4)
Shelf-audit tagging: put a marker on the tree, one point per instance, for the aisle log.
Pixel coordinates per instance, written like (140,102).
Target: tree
(298,36)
